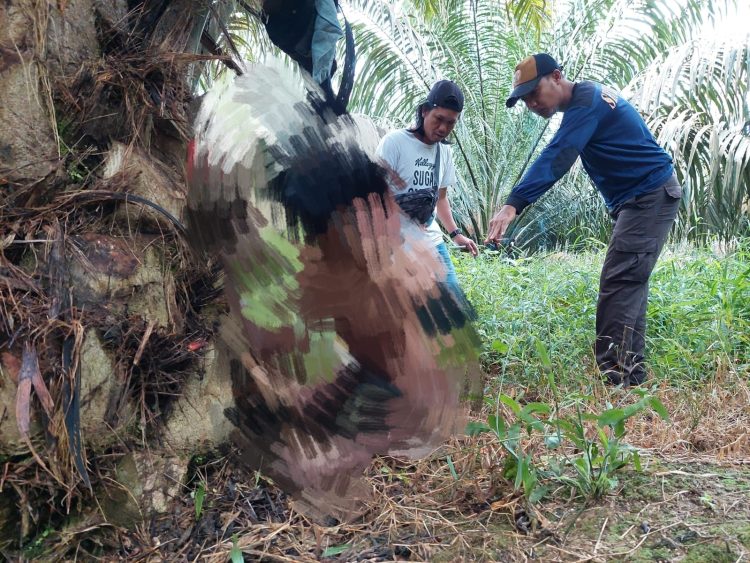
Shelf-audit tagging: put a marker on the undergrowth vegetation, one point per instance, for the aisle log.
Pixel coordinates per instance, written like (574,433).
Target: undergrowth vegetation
(545,404)
(698,315)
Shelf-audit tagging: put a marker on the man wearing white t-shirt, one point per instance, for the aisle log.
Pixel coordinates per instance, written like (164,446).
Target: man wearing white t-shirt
(411,155)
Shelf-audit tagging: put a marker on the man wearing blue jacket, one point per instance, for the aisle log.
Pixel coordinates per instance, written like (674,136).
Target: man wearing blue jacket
(637,181)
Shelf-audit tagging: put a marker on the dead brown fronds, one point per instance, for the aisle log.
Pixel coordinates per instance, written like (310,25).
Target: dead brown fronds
(78,249)
(140,86)
(453,505)
(46,309)
(124,93)
(424,511)
(417,509)
(707,421)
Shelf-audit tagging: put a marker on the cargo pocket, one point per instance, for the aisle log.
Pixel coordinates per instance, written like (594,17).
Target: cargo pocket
(635,244)
(631,259)
(673,188)
(647,200)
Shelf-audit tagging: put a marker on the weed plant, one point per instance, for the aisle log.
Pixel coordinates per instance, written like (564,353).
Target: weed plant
(583,450)
(698,316)
(543,399)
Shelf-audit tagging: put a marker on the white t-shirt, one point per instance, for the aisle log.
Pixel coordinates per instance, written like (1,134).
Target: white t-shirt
(414,162)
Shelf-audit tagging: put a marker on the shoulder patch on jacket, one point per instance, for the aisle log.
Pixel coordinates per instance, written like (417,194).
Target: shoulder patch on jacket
(609,95)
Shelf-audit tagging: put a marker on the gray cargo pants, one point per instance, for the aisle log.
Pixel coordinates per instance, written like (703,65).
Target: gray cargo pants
(641,227)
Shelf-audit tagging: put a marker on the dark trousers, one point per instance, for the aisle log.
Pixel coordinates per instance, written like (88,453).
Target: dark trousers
(641,227)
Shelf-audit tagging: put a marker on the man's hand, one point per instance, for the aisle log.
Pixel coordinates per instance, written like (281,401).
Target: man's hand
(499,223)
(463,240)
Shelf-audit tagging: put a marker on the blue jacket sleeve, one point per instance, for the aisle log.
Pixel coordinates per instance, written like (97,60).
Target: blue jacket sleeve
(577,127)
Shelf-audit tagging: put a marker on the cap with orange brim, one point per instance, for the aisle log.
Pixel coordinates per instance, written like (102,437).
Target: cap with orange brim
(528,73)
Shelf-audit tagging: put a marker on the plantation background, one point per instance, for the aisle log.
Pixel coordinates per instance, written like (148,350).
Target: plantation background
(681,63)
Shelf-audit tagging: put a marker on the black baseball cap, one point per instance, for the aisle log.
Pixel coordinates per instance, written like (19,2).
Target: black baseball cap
(528,73)
(446,94)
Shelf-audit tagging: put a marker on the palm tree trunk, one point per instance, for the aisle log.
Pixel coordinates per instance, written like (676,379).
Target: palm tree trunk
(95,104)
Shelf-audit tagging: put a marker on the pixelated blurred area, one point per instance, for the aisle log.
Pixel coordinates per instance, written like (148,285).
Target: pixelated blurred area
(342,339)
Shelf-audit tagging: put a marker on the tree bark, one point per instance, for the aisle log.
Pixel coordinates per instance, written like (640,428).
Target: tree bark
(93,101)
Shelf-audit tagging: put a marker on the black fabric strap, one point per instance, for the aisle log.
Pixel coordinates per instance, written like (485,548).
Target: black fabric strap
(291,25)
(436,178)
(347,74)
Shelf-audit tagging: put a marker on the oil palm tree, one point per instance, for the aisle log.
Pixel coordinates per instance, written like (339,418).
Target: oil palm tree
(98,317)
(402,48)
(696,98)
(105,307)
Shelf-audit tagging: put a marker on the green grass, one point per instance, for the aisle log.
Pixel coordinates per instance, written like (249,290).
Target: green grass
(698,316)
(536,320)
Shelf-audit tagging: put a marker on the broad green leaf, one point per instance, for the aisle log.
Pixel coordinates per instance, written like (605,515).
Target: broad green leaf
(335,550)
(511,402)
(497,424)
(510,468)
(631,410)
(530,408)
(611,417)
(538,493)
(564,425)
(619,428)
(514,434)
(529,479)
(659,407)
(582,464)
(603,438)
(543,354)
(474,428)
(500,346)
(521,470)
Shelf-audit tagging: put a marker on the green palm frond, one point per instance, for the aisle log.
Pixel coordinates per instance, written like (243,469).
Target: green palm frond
(477,45)
(697,102)
(629,36)
(395,61)
(237,24)
(430,10)
(533,15)
(693,94)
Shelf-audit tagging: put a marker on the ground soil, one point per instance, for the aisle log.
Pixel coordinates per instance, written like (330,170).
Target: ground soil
(689,502)
(672,510)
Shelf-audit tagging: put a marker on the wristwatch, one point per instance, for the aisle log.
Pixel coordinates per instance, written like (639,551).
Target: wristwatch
(454,234)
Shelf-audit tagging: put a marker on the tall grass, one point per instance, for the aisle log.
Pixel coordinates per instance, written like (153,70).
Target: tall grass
(698,316)
(560,427)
